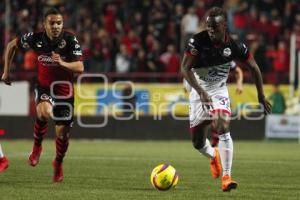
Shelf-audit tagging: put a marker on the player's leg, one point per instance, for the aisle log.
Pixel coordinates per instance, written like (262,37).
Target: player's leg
(225,142)
(3,160)
(63,116)
(199,139)
(202,144)
(62,143)
(226,149)
(44,113)
(200,122)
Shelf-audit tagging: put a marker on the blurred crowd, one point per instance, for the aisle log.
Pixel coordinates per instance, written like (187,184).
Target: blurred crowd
(125,36)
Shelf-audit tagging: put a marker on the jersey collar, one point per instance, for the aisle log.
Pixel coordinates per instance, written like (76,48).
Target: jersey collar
(55,42)
(226,41)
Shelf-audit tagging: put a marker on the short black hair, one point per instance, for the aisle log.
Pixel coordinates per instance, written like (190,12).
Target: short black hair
(51,11)
(216,11)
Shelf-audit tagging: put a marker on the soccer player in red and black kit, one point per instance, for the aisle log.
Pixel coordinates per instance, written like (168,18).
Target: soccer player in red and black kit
(59,57)
(206,65)
(4,162)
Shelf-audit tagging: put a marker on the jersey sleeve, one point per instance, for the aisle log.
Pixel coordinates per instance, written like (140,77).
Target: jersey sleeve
(26,41)
(192,47)
(242,53)
(75,49)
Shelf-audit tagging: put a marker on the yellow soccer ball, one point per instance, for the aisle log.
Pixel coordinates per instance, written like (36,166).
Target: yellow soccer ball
(164,177)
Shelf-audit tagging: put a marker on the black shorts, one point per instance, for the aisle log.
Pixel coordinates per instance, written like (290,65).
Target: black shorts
(63,109)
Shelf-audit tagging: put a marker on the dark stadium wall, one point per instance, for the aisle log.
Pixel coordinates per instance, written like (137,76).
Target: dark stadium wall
(143,129)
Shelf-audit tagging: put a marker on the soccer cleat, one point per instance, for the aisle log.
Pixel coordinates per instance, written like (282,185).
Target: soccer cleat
(214,139)
(35,155)
(4,162)
(215,165)
(58,172)
(228,184)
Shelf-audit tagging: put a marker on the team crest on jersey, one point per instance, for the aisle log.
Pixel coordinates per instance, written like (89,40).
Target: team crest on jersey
(62,44)
(227,52)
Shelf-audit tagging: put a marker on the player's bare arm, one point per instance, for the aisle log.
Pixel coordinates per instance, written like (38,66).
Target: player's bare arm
(252,65)
(76,66)
(239,80)
(9,55)
(186,67)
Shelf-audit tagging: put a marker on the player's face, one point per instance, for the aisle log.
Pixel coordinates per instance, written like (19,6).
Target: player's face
(216,30)
(53,25)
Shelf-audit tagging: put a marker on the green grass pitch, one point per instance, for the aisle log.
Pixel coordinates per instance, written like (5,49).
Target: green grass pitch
(108,170)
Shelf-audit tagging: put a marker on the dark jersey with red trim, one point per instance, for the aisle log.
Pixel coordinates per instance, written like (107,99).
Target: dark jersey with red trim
(213,63)
(49,72)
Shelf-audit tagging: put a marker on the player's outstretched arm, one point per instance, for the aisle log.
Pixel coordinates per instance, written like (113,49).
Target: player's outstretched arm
(251,64)
(76,66)
(8,57)
(239,80)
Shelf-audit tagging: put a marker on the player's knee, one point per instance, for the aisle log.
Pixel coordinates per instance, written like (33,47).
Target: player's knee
(44,115)
(44,111)
(221,126)
(63,136)
(226,128)
(63,131)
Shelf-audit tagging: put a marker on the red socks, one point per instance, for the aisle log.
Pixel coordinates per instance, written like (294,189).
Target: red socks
(61,148)
(39,131)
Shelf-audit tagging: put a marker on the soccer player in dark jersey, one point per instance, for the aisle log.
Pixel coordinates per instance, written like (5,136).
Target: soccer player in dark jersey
(205,65)
(239,89)
(59,57)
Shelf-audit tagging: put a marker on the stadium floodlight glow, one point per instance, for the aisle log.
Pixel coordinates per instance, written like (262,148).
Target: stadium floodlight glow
(127,83)
(84,125)
(68,96)
(67,114)
(80,92)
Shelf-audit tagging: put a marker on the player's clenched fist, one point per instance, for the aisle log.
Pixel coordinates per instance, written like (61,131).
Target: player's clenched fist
(56,57)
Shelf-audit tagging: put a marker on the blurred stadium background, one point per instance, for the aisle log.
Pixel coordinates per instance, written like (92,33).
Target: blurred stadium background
(132,51)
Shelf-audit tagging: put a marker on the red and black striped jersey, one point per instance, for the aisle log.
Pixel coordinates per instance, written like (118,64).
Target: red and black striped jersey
(49,72)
